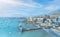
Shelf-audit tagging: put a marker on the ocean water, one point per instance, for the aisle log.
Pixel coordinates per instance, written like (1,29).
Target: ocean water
(9,27)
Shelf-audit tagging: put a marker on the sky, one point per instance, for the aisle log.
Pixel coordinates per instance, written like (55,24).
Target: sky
(19,8)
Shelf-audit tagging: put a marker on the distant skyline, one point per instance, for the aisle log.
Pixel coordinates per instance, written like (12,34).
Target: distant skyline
(18,8)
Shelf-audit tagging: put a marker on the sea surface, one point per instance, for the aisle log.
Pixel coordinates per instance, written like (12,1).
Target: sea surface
(9,27)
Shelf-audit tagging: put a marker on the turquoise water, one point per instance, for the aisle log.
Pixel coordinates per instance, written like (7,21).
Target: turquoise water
(9,27)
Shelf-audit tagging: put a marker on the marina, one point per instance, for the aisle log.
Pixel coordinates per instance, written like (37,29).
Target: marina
(40,23)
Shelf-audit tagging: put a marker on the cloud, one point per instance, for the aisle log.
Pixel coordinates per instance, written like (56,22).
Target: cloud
(13,2)
(44,2)
(14,14)
(51,7)
(10,8)
(1,8)
(15,8)
(56,2)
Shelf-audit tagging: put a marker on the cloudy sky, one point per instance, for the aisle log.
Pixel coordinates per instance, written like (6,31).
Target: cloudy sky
(17,8)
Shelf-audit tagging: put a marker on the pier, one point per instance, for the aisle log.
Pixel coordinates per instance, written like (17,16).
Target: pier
(29,29)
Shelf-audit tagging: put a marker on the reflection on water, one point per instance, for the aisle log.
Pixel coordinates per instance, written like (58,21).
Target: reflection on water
(9,28)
